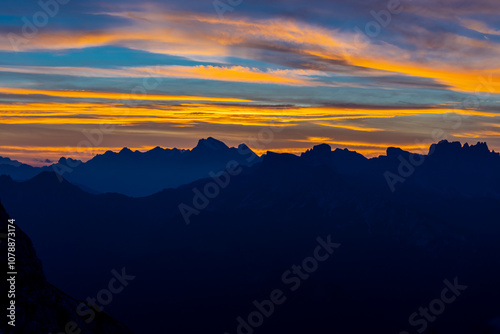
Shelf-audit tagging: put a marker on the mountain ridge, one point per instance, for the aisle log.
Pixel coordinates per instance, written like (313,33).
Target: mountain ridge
(139,174)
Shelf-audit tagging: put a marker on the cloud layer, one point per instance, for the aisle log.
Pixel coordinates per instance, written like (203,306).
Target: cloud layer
(356,74)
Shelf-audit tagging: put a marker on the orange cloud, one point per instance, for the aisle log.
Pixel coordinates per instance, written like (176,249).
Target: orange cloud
(480,81)
(115,96)
(224,114)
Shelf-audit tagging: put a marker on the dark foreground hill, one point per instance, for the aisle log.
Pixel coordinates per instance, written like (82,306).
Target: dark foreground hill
(41,307)
(327,242)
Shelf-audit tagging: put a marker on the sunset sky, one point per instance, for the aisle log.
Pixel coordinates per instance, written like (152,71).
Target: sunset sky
(352,73)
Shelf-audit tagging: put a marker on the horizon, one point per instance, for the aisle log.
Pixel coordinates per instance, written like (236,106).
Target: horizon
(421,150)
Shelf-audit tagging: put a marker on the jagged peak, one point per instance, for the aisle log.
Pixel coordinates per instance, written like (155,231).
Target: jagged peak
(455,147)
(156,149)
(211,143)
(64,160)
(324,148)
(395,152)
(9,161)
(321,150)
(243,149)
(126,150)
(480,146)
(243,146)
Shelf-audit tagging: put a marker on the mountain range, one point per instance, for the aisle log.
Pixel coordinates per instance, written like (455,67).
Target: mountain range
(206,252)
(139,174)
(136,173)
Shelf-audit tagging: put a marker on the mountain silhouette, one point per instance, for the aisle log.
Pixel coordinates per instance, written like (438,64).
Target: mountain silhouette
(16,169)
(40,306)
(397,244)
(135,173)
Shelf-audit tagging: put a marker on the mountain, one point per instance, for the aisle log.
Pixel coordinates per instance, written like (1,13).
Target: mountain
(450,168)
(8,161)
(18,170)
(145,173)
(136,174)
(250,226)
(41,307)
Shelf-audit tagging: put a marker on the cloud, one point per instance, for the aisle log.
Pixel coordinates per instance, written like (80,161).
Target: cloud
(138,95)
(480,27)
(205,37)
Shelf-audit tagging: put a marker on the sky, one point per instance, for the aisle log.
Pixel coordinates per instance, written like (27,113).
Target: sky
(78,78)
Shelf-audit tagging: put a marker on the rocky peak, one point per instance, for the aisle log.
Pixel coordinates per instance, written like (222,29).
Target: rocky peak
(211,144)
